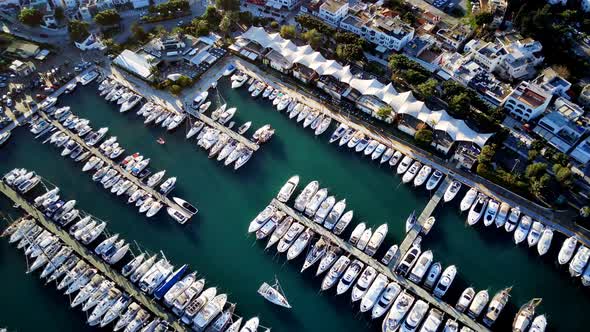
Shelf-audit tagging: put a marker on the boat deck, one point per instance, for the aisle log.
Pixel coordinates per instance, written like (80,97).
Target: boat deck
(209,122)
(123,283)
(155,194)
(368,260)
(426,213)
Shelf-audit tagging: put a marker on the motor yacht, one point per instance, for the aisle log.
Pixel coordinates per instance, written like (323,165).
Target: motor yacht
(343,222)
(469,199)
(445,281)
(512,220)
(349,277)
(477,209)
(545,241)
(479,302)
(422,175)
(398,311)
(363,283)
(522,230)
(376,239)
(422,265)
(415,316)
(535,234)
(335,214)
(335,272)
(373,293)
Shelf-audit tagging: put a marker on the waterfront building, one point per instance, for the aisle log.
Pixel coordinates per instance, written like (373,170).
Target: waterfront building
(138,64)
(387,33)
(552,82)
(21,68)
(333,11)
(367,94)
(564,127)
(92,42)
(454,37)
(582,152)
(527,101)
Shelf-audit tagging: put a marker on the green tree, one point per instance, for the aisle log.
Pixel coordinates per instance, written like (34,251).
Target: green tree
(30,16)
(274,24)
(313,38)
(533,154)
(229,5)
(175,89)
(428,88)
(225,25)
(202,28)
(535,170)
(414,76)
(159,30)
(563,175)
(349,52)
(288,31)
(184,81)
(423,137)
(59,13)
(345,37)
(107,17)
(483,18)
(384,112)
(487,154)
(460,104)
(138,32)
(78,30)
(212,16)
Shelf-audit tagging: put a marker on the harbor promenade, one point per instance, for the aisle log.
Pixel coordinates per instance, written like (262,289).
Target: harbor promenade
(417,228)
(559,220)
(105,269)
(368,260)
(155,194)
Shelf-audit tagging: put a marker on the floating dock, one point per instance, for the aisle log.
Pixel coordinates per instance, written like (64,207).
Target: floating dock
(426,213)
(211,123)
(89,257)
(368,260)
(155,194)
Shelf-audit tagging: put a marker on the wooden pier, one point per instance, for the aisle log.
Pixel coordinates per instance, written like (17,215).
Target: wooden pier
(368,260)
(211,123)
(95,151)
(417,228)
(123,283)
(187,109)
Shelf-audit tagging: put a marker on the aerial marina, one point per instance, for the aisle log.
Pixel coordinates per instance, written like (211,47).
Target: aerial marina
(313,203)
(178,289)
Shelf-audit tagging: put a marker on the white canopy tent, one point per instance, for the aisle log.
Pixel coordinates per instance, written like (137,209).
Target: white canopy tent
(402,103)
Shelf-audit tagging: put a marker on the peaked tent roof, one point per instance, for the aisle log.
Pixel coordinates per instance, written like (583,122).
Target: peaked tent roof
(403,103)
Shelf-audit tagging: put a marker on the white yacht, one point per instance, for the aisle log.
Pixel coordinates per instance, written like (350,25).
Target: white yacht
(357,233)
(477,209)
(338,133)
(491,212)
(539,324)
(290,237)
(335,214)
(379,150)
(324,209)
(318,250)
(398,311)
(314,203)
(422,175)
(434,180)
(343,222)
(535,234)
(395,158)
(408,260)
(386,299)
(349,277)
(512,220)
(579,261)
(404,165)
(412,172)
(422,265)
(468,200)
(387,155)
(496,306)
(522,230)
(328,260)
(280,230)
(545,242)
(415,317)
(502,215)
(376,239)
(372,295)
(288,188)
(261,218)
(299,245)
(363,283)
(445,281)
(335,272)
(479,302)
(465,299)
(305,195)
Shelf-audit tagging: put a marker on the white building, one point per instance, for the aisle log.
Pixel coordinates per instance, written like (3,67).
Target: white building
(92,42)
(582,152)
(523,55)
(282,4)
(386,32)
(527,101)
(138,64)
(333,11)
(140,3)
(552,82)
(560,128)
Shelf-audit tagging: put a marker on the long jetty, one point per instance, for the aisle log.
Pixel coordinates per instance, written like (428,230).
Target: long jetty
(207,120)
(417,228)
(368,260)
(211,123)
(87,255)
(155,194)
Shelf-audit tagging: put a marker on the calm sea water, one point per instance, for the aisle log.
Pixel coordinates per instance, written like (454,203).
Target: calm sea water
(216,243)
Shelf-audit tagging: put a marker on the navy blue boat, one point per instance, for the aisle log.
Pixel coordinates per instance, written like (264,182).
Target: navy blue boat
(170,281)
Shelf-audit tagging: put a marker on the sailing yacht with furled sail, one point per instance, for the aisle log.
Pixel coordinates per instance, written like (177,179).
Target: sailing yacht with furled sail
(274,294)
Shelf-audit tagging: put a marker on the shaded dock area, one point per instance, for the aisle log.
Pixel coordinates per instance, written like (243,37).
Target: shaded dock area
(368,260)
(155,194)
(105,269)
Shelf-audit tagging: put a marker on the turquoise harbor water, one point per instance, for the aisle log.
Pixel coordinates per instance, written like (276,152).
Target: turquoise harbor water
(215,242)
